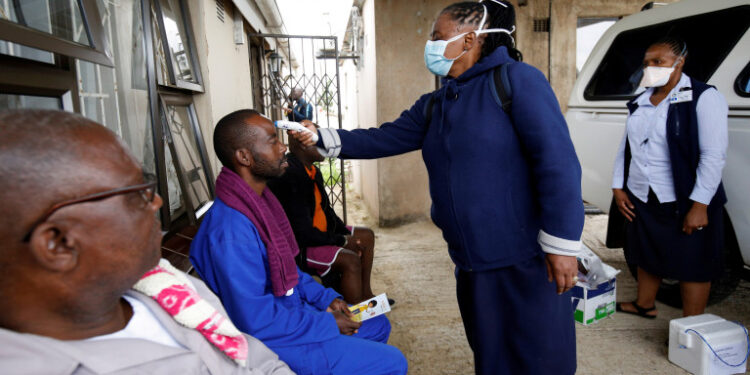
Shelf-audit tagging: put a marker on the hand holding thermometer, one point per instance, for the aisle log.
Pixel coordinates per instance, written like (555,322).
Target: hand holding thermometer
(296,126)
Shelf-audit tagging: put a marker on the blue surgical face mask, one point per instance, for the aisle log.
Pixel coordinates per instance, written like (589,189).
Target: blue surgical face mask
(434,50)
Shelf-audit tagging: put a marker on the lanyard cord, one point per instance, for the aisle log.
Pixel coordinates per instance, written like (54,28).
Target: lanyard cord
(747,338)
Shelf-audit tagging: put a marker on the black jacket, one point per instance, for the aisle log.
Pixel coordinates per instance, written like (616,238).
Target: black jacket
(295,191)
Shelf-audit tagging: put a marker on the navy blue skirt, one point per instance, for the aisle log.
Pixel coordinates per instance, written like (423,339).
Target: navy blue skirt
(657,244)
(515,321)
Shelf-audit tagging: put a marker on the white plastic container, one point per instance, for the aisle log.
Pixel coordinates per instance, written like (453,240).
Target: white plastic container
(689,351)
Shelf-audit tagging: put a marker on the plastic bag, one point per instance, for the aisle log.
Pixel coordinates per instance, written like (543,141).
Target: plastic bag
(592,271)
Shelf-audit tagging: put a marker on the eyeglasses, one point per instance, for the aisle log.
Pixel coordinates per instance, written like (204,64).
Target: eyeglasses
(147,191)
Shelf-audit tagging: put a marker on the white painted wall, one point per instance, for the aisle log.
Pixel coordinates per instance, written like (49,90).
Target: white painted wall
(349,90)
(367,107)
(225,67)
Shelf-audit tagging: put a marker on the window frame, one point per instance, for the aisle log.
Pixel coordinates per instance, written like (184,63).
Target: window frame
(60,79)
(65,98)
(96,53)
(255,55)
(157,93)
(745,73)
(177,99)
(28,77)
(189,37)
(153,106)
(187,203)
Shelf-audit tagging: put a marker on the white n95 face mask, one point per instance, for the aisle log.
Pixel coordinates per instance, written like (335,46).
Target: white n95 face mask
(656,76)
(434,50)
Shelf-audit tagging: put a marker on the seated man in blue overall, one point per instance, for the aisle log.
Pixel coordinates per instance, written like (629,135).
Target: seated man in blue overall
(245,249)
(302,110)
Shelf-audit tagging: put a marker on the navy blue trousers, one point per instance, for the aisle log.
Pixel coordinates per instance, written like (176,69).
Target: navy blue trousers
(515,321)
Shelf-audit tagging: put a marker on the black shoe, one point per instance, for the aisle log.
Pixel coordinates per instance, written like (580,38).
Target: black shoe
(391,302)
(640,311)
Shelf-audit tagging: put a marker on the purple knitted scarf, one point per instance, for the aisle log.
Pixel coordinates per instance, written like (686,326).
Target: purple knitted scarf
(269,219)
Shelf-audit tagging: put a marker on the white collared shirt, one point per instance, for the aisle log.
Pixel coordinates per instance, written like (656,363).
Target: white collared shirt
(651,167)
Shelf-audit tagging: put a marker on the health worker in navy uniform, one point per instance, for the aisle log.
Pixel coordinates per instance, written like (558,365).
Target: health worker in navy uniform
(667,181)
(505,186)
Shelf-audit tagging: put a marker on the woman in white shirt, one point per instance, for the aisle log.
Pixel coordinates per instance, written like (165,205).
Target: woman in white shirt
(667,181)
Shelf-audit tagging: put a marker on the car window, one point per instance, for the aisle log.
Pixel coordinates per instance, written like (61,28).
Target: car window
(742,85)
(709,36)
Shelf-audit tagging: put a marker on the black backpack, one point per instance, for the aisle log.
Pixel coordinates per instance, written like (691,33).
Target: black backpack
(501,86)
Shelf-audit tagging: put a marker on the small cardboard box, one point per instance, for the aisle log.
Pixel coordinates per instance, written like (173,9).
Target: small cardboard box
(592,305)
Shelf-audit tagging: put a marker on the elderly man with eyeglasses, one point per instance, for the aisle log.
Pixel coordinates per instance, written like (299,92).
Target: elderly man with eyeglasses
(82,287)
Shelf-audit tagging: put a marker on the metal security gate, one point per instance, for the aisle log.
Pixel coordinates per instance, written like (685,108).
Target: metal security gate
(310,63)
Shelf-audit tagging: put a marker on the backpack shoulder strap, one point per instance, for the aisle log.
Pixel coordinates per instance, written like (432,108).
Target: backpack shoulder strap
(503,88)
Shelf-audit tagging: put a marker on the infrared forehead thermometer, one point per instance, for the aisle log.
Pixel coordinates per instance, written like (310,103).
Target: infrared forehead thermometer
(296,126)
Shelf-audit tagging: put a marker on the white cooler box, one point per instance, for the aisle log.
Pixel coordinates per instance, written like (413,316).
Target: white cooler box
(687,350)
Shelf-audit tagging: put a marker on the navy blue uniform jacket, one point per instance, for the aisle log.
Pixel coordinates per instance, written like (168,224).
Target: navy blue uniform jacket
(502,190)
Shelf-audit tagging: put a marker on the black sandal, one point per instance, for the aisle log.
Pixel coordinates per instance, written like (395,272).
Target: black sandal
(640,311)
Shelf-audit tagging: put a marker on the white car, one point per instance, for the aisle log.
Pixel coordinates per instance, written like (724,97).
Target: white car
(719,53)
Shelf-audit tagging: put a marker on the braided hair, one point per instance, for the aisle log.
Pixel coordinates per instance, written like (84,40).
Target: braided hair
(498,16)
(677,45)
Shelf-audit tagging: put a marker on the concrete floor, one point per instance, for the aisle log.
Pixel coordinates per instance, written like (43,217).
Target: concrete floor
(413,267)
(633,345)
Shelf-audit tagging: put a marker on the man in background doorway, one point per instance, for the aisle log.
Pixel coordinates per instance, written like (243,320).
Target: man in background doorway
(301,110)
